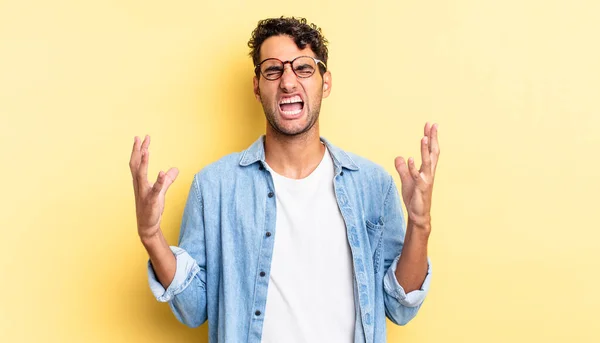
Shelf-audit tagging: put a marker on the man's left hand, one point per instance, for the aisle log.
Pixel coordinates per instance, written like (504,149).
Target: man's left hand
(417,185)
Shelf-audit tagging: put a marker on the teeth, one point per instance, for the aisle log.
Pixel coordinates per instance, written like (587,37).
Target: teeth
(291,100)
(291,113)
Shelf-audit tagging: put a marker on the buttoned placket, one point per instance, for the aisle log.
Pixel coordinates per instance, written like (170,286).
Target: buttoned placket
(360,280)
(265,256)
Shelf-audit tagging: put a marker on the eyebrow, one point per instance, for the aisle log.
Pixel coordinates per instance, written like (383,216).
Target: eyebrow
(303,65)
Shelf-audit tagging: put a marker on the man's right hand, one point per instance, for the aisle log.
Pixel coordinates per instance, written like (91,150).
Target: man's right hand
(149,198)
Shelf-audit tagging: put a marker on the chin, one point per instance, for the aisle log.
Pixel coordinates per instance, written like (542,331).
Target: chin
(292,130)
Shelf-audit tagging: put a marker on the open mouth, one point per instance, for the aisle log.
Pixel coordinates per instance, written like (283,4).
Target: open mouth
(291,106)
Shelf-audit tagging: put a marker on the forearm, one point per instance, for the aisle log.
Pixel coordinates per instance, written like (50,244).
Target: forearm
(412,266)
(162,258)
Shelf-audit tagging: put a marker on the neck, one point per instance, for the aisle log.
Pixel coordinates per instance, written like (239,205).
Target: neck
(294,157)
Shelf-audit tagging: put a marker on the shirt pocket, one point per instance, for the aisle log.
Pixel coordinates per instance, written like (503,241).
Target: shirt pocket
(375,234)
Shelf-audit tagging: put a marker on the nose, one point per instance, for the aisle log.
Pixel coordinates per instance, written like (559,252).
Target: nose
(288,81)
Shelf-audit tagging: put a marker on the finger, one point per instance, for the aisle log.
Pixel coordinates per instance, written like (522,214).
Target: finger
(426,129)
(134,164)
(402,169)
(134,160)
(425,157)
(414,173)
(434,146)
(169,178)
(158,185)
(145,157)
(146,142)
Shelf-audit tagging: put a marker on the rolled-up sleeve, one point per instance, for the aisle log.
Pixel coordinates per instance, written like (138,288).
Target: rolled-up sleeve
(187,268)
(395,290)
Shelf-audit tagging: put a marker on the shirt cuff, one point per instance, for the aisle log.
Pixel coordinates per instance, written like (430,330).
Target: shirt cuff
(187,268)
(394,289)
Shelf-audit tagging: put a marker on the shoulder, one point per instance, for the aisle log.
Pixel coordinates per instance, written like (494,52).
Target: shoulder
(363,172)
(219,170)
(232,169)
(371,172)
(369,167)
(358,165)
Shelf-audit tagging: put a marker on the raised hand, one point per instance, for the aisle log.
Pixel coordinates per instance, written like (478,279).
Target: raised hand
(149,198)
(417,185)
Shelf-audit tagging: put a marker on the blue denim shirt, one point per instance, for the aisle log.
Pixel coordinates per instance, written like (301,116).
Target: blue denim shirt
(227,235)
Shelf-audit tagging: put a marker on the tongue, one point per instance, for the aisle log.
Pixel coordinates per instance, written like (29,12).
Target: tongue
(291,107)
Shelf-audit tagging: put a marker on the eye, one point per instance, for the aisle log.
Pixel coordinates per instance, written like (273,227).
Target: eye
(272,71)
(304,70)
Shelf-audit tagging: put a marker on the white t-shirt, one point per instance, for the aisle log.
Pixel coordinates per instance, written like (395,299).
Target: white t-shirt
(311,295)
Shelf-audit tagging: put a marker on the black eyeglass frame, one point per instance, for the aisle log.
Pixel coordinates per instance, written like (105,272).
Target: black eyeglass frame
(317,62)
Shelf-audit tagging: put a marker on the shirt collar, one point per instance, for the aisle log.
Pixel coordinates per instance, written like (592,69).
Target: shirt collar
(256,153)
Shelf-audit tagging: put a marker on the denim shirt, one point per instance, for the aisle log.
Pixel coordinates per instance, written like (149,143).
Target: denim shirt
(226,246)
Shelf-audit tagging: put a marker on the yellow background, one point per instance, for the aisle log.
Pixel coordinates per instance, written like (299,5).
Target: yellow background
(515,86)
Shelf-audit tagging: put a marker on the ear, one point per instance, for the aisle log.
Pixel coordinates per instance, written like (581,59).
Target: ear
(256,89)
(326,84)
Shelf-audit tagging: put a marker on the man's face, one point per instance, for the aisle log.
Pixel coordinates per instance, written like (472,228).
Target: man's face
(291,104)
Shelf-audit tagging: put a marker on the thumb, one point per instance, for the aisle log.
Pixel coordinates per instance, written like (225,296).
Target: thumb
(402,169)
(169,178)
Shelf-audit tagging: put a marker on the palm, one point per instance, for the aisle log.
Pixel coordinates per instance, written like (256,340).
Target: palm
(147,214)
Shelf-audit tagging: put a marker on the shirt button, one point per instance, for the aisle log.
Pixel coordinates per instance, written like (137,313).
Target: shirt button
(341,173)
(270,194)
(262,274)
(268,234)
(257,313)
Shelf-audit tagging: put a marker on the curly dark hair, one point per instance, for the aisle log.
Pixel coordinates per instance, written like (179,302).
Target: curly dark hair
(297,28)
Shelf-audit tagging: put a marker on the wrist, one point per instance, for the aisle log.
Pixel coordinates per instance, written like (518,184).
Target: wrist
(421,224)
(149,240)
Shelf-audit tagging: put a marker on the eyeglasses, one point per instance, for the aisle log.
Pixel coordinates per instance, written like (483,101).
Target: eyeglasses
(303,66)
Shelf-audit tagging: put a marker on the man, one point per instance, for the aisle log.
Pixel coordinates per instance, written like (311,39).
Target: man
(292,240)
